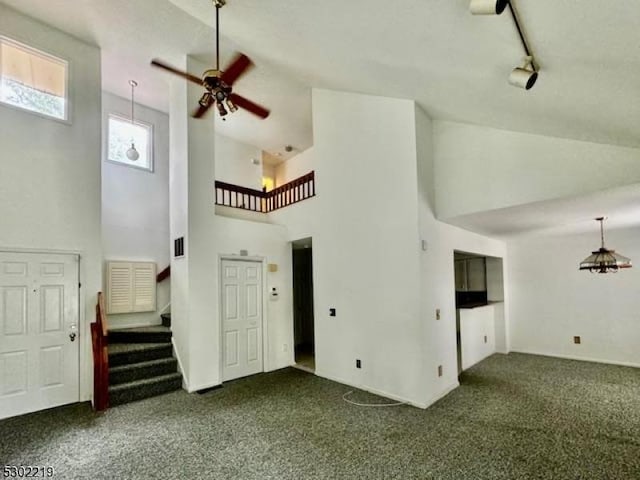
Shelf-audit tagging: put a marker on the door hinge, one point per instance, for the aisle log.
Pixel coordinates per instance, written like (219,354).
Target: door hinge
(79,285)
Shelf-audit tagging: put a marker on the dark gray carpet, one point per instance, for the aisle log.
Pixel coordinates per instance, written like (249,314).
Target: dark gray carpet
(514,417)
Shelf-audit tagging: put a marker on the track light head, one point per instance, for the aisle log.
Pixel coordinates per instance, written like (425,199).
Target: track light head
(488,7)
(525,76)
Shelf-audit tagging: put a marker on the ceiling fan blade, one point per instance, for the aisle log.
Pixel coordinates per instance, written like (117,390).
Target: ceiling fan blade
(201,111)
(160,64)
(239,65)
(249,105)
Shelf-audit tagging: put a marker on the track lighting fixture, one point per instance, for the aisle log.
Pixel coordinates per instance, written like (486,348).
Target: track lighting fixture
(488,7)
(524,77)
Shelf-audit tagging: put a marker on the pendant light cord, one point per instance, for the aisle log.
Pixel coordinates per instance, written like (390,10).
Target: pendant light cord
(133,84)
(602,231)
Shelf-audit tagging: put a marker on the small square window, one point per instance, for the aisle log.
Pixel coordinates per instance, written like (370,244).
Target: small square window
(33,80)
(122,134)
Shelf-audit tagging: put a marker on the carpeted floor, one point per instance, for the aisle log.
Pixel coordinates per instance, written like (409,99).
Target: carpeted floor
(514,417)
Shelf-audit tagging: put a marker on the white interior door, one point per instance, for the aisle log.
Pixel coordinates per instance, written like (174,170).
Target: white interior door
(39,364)
(241,319)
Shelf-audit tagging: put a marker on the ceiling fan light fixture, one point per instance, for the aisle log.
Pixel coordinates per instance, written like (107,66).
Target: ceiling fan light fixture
(488,7)
(231,106)
(223,111)
(604,260)
(206,100)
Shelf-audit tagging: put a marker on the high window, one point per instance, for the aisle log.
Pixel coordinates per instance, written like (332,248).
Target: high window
(33,80)
(122,134)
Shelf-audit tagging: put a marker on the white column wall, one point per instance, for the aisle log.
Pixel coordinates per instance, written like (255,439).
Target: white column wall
(365,243)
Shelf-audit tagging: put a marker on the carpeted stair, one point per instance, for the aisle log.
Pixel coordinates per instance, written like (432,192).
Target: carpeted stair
(141,364)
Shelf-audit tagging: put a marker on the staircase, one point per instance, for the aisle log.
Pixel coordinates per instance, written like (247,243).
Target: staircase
(141,363)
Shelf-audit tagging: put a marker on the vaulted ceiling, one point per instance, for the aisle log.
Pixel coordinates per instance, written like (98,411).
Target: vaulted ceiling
(454,64)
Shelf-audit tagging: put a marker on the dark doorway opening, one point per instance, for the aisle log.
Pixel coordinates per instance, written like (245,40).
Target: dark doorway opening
(303,321)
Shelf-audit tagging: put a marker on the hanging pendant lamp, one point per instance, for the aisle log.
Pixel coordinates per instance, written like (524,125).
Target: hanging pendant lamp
(132,153)
(604,260)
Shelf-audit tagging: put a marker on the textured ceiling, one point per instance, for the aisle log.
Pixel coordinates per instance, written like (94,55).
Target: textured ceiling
(454,64)
(131,33)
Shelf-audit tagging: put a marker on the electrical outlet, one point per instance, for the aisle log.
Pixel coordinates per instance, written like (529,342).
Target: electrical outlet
(358,363)
(577,340)
(285,347)
(439,370)
(485,339)
(437,314)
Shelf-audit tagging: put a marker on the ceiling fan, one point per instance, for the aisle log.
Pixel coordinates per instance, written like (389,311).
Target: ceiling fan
(218,84)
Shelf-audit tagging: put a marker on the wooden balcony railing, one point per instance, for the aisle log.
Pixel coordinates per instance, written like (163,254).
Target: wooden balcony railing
(99,339)
(235,196)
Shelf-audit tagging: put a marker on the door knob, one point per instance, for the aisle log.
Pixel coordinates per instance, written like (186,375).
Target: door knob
(72,335)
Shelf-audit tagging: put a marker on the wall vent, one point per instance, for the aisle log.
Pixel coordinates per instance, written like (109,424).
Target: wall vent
(178,247)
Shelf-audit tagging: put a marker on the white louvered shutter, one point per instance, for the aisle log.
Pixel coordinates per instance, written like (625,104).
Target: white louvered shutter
(131,287)
(144,287)
(118,287)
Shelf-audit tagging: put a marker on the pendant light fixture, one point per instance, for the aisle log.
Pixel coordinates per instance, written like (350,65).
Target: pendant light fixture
(604,260)
(132,153)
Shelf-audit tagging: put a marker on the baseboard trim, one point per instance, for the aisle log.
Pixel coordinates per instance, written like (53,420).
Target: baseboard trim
(443,394)
(185,385)
(581,359)
(208,386)
(375,391)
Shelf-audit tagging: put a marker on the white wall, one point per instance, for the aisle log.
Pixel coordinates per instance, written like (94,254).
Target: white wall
(234,165)
(365,243)
(368,261)
(552,301)
(50,170)
(270,243)
(179,216)
(475,325)
(195,284)
(295,167)
(481,168)
(437,276)
(135,206)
